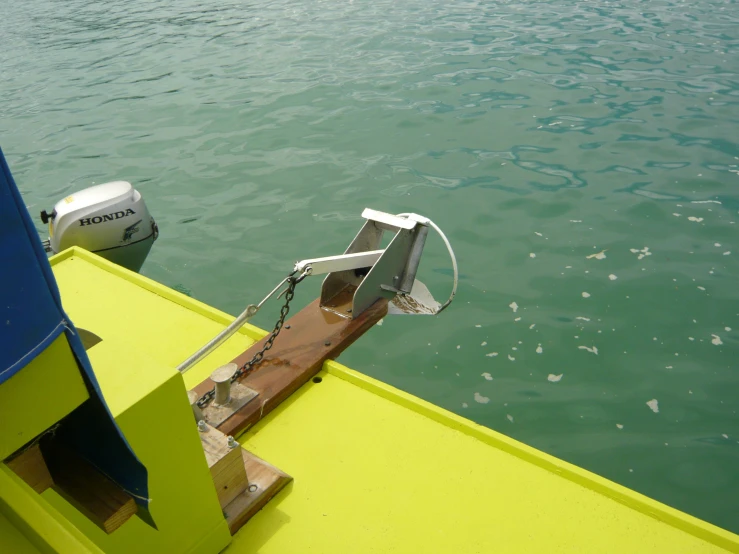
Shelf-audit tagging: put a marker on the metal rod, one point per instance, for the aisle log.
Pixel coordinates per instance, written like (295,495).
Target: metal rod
(274,290)
(219,339)
(250,311)
(343,262)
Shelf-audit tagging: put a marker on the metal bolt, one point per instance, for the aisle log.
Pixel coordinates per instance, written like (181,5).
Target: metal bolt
(288,326)
(202,426)
(222,378)
(192,396)
(349,311)
(232,442)
(327,343)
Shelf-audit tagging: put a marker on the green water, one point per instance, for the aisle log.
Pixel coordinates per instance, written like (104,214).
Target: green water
(534,133)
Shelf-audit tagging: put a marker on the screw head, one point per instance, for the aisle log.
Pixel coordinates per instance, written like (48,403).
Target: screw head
(327,343)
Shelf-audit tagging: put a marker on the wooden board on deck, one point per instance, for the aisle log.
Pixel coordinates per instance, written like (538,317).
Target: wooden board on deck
(30,466)
(88,490)
(307,340)
(265,481)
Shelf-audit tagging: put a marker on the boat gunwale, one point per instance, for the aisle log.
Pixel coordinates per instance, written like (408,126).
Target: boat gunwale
(600,485)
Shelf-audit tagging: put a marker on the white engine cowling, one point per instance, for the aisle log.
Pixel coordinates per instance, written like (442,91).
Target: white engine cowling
(109,219)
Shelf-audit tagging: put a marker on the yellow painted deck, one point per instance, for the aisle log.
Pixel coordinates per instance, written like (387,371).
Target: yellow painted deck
(375,469)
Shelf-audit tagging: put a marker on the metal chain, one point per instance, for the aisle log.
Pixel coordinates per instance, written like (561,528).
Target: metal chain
(289,292)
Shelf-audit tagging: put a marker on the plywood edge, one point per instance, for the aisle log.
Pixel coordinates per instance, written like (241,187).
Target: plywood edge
(265,481)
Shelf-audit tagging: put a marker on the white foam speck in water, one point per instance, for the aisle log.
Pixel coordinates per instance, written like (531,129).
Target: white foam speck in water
(491,355)
(586,295)
(717,244)
(691,338)
(539,349)
(677,215)
(380,322)
(481,399)
(509,417)
(696,219)
(612,277)
(487,376)
(517,319)
(575,220)
(483,343)
(716,340)
(653,405)
(532,255)
(599,256)
(513,306)
(701,288)
(537,233)
(725,435)
(464,404)
(727,329)
(552,378)
(644,252)
(532,325)
(619,426)
(478,326)
(583,318)
(593,350)
(511,358)
(459,346)
(727,253)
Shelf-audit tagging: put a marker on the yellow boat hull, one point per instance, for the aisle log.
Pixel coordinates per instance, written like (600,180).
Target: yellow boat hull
(375,469)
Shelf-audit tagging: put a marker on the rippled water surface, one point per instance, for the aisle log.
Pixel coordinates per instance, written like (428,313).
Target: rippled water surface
(582,157)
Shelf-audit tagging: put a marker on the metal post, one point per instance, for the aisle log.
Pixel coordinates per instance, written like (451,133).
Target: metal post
(222,378)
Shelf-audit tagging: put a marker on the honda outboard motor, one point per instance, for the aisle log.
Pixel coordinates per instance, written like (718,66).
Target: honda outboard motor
(109,219)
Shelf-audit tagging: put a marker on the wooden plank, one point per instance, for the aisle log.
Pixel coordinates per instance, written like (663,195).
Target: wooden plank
(226,465)
(265,481)
(308,339)
(88,490)
(30,466)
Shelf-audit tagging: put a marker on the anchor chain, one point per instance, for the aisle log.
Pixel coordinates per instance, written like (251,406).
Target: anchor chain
(289,293)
